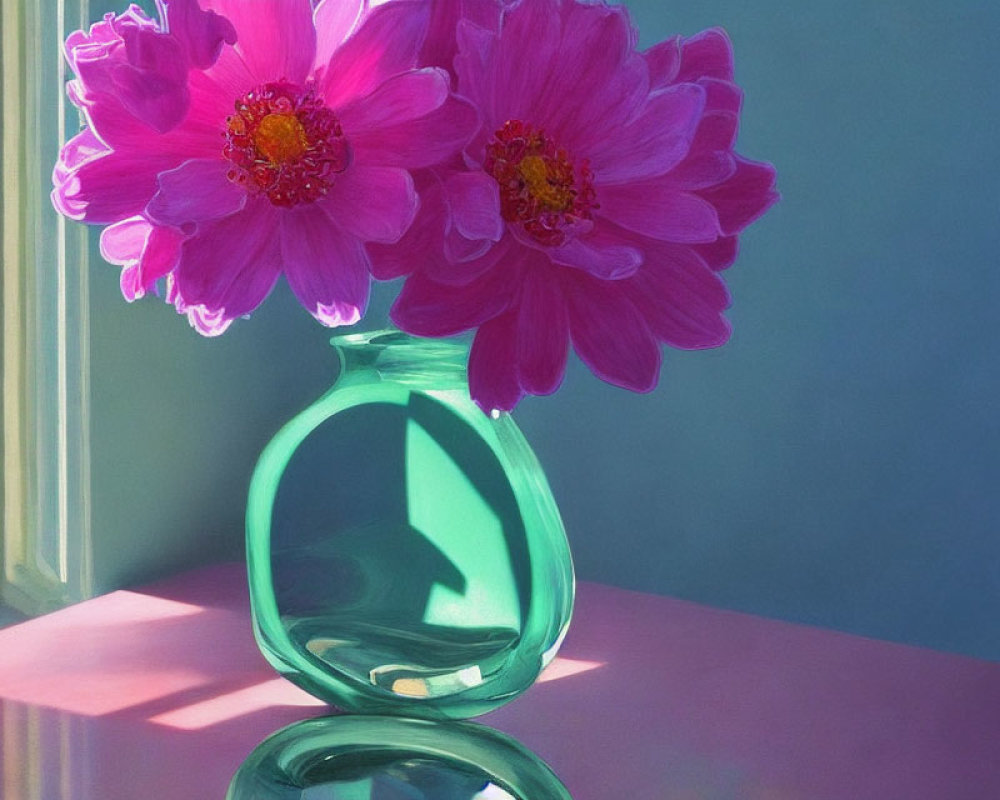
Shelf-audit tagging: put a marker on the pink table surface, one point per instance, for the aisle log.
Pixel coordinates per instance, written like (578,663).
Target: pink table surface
(159,693)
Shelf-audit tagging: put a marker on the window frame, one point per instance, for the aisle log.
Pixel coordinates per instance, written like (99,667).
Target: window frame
(46,553)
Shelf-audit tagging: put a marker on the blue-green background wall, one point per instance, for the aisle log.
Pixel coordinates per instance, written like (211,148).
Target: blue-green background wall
(837,463)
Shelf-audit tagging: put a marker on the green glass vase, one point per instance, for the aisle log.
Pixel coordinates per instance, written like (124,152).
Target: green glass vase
(405,553)
(384,758)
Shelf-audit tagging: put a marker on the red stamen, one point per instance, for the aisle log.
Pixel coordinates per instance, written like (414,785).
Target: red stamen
(284,143)
(539,187)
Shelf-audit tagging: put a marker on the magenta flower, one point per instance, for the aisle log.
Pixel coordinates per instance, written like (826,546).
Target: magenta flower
(228,146)
(596,204)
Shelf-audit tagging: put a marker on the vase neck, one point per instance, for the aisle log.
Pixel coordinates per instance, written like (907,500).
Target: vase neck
(395,355)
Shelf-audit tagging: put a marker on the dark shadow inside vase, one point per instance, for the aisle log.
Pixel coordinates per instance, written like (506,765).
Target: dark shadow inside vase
(398,551)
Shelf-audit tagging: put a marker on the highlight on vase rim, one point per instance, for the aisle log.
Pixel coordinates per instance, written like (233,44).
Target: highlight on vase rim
(533,176)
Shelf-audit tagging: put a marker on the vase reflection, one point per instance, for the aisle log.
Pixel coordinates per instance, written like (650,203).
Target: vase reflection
(383,758)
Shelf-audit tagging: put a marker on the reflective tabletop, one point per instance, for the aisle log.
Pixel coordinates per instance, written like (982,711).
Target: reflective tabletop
(159,692)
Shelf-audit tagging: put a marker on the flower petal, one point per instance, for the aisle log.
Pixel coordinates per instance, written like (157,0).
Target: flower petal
(656,141)
(124,241)
(721,95)
(145,253)
(421,244)
(517,80)
(440,46)
(200,134)
(717,131)
(542,332)
(103,37)
(335,21)
(594,117)
(403,97)
(108,117)
(326,267)
(434,245)
(196,135)
(663,60)
(493,382)
(681,299)
(657,208)
(374,204)
(275,38)
(206,322)
(703,169)
(220,85)
(195,192)
(719,254)
(83,147)
(475,77)
(386,44)
(610,335)
(744,197)
(230,266)
(103,187)
(599,253)
(426,308)
(153,84)
(459,250)
(201,33)
(128,63)
(163,250)
(474,201)
(708,54)
(424,142)
(596,80)
(462,263)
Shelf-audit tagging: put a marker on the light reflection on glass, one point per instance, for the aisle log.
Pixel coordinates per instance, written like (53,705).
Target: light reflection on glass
(493,792)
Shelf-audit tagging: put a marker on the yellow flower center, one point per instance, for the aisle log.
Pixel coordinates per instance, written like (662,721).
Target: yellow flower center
(552,191)
(281,138)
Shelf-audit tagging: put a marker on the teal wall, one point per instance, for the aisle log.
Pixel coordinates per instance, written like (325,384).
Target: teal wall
(837,463)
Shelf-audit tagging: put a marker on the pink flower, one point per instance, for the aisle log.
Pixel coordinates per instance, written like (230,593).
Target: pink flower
(279,141)
(597,202)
